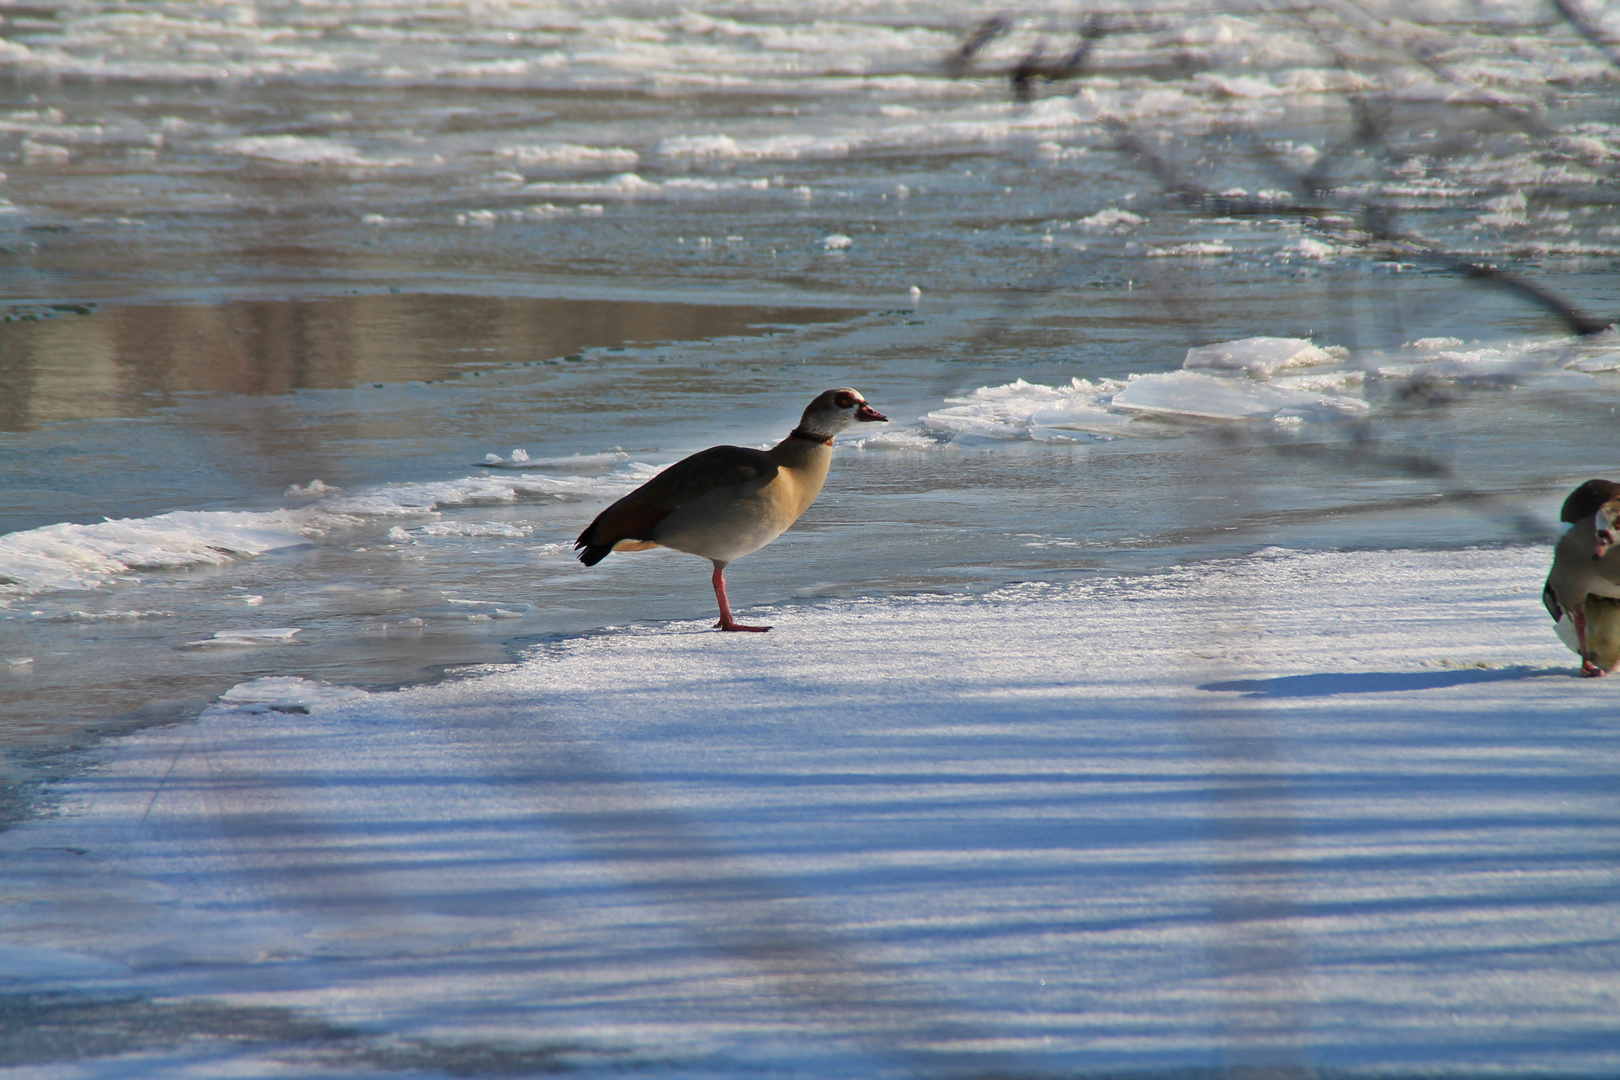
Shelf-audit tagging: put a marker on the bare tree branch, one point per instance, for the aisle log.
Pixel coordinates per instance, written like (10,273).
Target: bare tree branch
(956,65)
(1376,224)
(1584,27)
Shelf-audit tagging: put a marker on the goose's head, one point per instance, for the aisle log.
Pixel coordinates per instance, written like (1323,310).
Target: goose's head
(834,410)
(1597,501)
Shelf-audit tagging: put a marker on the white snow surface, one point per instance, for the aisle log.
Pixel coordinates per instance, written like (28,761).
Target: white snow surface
(1344,811)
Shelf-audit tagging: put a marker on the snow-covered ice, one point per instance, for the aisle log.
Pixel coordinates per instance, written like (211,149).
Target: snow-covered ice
(1345,811)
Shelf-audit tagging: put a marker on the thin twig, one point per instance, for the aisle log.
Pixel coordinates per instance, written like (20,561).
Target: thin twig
(1584,27)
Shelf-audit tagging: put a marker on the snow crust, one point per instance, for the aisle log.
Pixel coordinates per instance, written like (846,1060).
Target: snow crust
(1339,811)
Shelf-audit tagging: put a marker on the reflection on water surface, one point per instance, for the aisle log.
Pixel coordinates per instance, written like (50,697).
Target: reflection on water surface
(125,361)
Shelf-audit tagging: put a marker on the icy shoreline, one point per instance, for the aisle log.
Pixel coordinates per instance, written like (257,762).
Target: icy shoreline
(1344,811)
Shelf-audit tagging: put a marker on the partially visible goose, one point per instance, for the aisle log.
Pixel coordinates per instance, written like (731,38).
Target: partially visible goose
(728,501)
(1583,589)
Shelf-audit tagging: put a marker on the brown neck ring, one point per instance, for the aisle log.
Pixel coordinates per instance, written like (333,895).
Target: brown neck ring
(800,433)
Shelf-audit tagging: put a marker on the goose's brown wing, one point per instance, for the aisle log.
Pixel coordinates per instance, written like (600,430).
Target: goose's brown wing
(636,515)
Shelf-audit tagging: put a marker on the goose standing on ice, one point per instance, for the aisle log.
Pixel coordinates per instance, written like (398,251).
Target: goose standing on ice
(1583,590)
(728,501)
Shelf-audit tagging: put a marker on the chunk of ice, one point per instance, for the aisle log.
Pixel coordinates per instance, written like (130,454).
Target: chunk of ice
(1258,357)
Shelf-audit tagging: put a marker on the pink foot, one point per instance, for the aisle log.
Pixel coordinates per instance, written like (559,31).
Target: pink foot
(726,621)
(1590,670)
(723,625)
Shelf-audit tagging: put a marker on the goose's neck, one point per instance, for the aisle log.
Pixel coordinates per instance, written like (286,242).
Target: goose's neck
(803,464)
(800,452)
(802,432)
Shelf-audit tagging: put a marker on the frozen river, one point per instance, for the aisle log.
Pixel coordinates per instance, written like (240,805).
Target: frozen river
(329,326)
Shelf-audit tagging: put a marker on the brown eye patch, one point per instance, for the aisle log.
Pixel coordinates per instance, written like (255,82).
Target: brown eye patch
(844,401)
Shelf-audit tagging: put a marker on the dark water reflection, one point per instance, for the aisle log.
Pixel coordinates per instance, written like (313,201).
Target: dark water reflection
(127,361)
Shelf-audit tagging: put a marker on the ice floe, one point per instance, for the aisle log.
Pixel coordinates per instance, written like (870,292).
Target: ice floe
(249,639)
(1261,358)
(1202,396)
(283,693)
(70,556)
(1025,410)
(520,459)
(571,156)
(1288,381)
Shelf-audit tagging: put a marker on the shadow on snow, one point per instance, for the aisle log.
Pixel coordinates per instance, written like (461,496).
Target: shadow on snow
(1327,684)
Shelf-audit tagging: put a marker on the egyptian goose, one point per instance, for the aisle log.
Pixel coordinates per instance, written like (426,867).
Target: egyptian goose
(1584,583)
(728,501)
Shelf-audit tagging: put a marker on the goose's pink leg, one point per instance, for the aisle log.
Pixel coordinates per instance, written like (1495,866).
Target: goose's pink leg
(1588,669)
(726,621)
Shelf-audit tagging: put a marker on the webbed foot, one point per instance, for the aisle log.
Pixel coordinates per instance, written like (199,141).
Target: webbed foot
(733,626)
